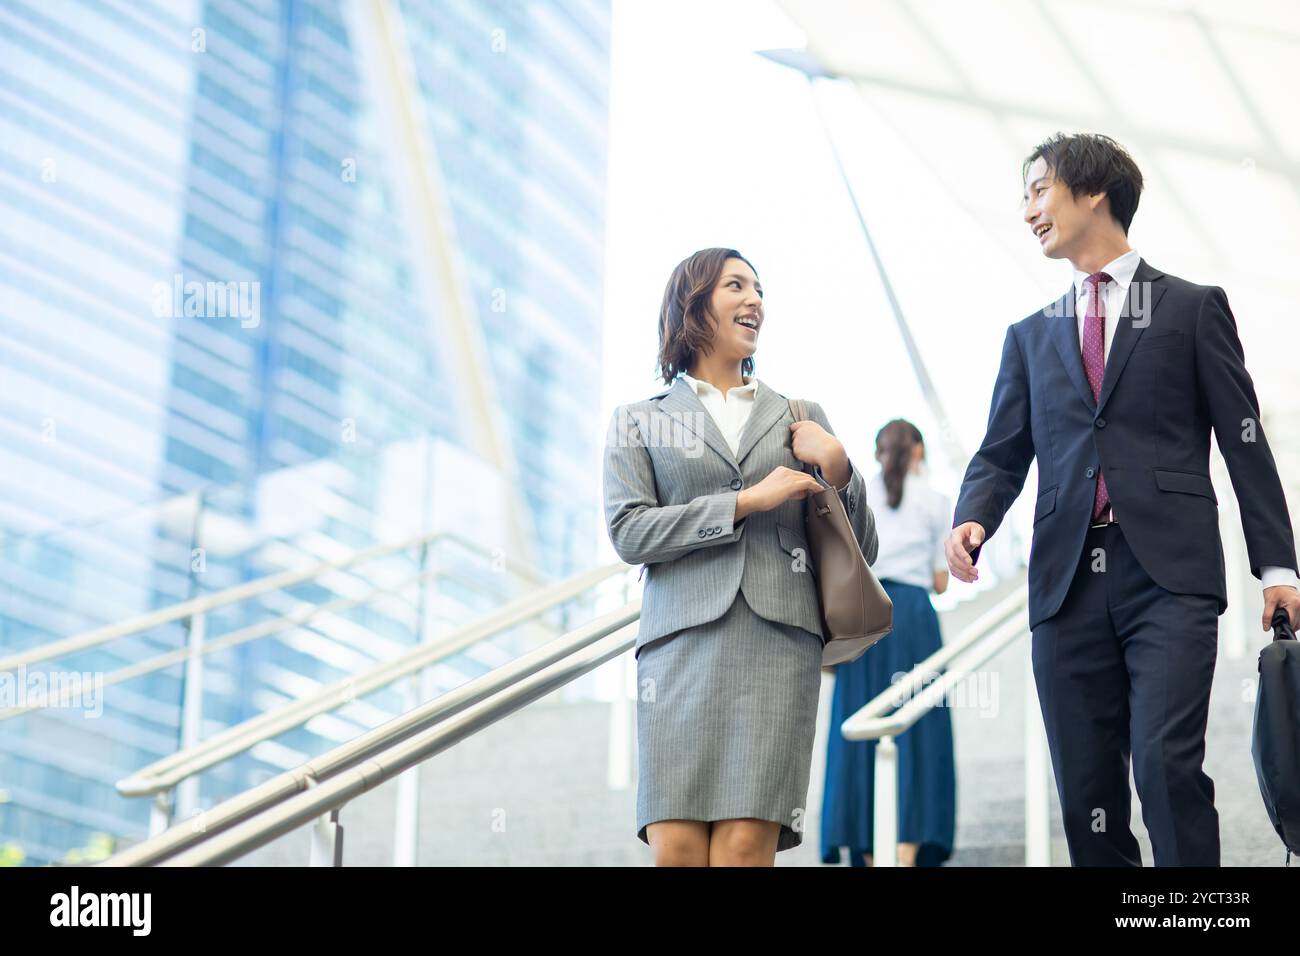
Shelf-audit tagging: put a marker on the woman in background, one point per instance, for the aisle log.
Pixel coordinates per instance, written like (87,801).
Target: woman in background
(912,521)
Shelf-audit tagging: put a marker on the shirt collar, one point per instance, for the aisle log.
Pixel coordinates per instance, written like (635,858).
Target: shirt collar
(1120,270)
(702,387)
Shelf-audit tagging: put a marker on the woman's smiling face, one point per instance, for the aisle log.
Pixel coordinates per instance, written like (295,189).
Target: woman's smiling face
(737,310)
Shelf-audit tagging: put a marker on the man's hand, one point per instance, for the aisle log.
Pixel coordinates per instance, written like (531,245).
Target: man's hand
(961,541)
(1282,596)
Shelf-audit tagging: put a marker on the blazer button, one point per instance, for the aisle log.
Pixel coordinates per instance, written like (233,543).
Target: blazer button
(736,484)
(1101,423)
(701,532)
(1090,472)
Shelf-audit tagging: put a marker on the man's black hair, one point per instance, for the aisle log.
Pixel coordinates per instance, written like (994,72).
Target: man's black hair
(1090,163)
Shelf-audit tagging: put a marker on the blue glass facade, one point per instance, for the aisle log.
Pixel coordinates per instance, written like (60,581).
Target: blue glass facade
(204,282)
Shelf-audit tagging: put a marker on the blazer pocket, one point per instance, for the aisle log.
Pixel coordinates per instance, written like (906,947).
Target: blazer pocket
(1186,484)
(1165,340)
(791,539)
(1046,504)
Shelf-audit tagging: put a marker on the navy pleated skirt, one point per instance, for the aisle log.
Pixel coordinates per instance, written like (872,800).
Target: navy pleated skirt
(927,778)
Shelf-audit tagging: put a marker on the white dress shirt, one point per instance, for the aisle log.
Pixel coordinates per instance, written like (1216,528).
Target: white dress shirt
(911,535)
(1121,272)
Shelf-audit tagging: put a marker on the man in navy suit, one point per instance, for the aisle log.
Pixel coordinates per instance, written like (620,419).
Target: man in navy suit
(1114,389)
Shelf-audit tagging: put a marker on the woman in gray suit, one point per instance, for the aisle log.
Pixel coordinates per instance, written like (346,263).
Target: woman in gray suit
(704,486)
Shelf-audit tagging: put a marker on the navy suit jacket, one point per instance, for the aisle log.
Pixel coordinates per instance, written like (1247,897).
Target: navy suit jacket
(1175,370)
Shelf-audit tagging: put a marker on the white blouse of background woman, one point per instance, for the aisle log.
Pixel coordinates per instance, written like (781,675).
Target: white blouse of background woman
(911,537)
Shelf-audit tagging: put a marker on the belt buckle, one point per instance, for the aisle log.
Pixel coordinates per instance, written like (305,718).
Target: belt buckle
(1109,518)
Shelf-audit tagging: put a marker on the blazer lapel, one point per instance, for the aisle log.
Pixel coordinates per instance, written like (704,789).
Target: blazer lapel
(1064,326)
(1144,290)
(685,406)
(769,408)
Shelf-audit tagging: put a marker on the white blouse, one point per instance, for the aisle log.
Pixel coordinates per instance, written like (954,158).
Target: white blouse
(911,536)
(730,411)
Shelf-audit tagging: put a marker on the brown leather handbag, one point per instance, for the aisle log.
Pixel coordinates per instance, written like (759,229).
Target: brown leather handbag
(856,611)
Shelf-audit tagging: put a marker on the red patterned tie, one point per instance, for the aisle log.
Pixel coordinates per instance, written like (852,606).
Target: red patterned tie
(1094,363)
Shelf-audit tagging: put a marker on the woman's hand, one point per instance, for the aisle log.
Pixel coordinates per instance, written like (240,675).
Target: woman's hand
(781,485)
(815,445)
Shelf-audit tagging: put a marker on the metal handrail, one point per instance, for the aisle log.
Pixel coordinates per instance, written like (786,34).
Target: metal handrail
(261,629)
(311,774)
(166,773)
(209,602)
(905,689)
(978,643)
(872,728)
(329,796)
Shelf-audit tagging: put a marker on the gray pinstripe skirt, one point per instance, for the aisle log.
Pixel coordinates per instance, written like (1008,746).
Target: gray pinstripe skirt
(725,718)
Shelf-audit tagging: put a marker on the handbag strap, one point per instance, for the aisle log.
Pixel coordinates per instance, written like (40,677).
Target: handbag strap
(799,409)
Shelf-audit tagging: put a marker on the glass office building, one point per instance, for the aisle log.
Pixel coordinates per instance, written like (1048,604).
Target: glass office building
(212,315)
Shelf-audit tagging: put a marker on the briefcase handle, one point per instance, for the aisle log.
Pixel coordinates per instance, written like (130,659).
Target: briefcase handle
(1282,630)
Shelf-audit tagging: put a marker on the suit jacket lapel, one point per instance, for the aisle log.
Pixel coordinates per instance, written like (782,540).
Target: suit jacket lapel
(1146,293)
(1064,325)
(769,408)
(684,405)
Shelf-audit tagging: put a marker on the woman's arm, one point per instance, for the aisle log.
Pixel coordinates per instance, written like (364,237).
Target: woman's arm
(643,531)
(854,496)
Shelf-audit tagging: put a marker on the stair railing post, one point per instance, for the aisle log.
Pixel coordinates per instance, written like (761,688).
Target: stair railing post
(885,851)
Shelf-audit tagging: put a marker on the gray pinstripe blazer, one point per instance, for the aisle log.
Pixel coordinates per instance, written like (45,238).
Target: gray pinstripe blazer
(671,483)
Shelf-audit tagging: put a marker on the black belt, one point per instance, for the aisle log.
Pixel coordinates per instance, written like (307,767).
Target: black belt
(1105,518)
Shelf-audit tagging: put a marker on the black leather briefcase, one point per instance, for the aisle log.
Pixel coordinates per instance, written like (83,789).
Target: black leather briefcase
(1276,738)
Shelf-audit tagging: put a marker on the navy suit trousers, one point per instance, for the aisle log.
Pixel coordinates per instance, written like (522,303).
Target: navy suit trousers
(1124,670)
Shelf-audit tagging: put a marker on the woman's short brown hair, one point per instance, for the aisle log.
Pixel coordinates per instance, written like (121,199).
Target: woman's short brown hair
(684,326)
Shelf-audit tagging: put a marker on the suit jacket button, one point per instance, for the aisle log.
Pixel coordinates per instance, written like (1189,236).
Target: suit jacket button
(701,532)
(736,484)
(1090,472)
(1101,423)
